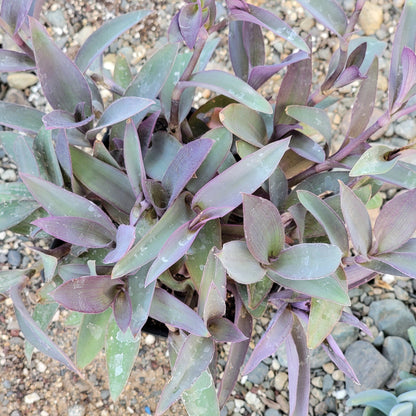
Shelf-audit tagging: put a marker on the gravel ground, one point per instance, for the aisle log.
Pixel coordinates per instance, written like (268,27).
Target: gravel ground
(46,388)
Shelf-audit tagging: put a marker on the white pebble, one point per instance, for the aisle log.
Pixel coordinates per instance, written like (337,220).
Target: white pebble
(243,380)
(150,339)
(388,278)
(239,403)
(41,367)
(340,394)
(44,413)
(9,175)
(32,398)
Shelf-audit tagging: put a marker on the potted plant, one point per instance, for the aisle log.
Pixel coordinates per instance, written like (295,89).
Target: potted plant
(201,217)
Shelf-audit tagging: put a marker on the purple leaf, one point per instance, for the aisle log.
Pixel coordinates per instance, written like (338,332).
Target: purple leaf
(307,261)
(175,247)
(190,21)
(357,56)
(394,226)
(403,262)
(11,61)
(337,356)
(98,42)
(61,119)
(223,330)
(124,240)
(34,334)
(186,371)
(277,331)
(170,310)
(241,266)
(237,50)
(263,228)
(122,310)
(87,294)
(59,202)
(146,129)
(62,82)
(244,176)
(409,77)
(14,13)
(62,151)
(20,117)
(349,75)
(261,73)
(259,16)
(350,319)
(75,230)
(183,167)
(357,219)
(254,44)
(329,13)
(298,369)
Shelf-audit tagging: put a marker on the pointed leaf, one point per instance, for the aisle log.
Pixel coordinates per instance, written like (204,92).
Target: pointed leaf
(98,42)
(403,262)
(223,330)
(11,61)
(237,49)
(88,294)
(379,399)
(122,310)
(231,86)
(263,228)
(91,337)
(124,240)
(61,119)
(174,249)
(183,167)
(328,218)
(357,220)
(121,352)
(307,261)
(149,246)
(9,278)
(51,197)
(75,230)
(394,226)
(240,264)
(373,161)
(20,117)
(190,21)
(15,13)
(245,123)
(62,83)
(306,147)
(104,180)
(322,318)
(186,370)
(277,331)
(170,310)
(243,177)
(34,334)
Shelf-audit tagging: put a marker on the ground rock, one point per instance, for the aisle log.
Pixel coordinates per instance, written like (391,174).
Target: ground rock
(21,80)
(371,18)
(370,367)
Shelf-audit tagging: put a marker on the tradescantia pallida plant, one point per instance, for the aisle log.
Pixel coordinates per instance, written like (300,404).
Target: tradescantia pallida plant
(201,217)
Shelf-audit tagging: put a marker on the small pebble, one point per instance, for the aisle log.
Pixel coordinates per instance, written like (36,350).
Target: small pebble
(14,258)
(41,367)
(76,410)
(340,394)
(338,375)
(150,339)
(31,398)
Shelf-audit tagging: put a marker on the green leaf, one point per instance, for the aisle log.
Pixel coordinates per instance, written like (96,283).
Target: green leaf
(91,337)
(122,73)
(9,278)
(104,180)
(49,265)
(263,228)
(244,149)
(403,174)
(97,43)
(257,292)
(149,246)
(373,161)
(322,318)
(240,264)
(379,399)
(231,86)
(357,219)
(193,359)
(328,218)
(307,261)
(245,123)
(244,176)
(20,117)
(74,319)
(312,117)
(307,148)
(408,384)
(402,409)
(121,351)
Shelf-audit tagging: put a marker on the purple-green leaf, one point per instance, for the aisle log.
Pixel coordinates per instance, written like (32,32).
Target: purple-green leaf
(223,330)
(61,119)
(328,12)
(174,249)
(34,334)
(75,230)
(97,43)
(373,161)
(307,261)
(237,50)
(328,218)
(20,117)
(306,147)
(184,165)
(186,371)
(357,219)
(62,82)
(190,21)
(59,202)
(244,176)
(240,264)
(231,86)
(168,309)
(122,310)
(245,123)
(9,278)
(263,228)
(403,262)
(409,77)
(14,13)
(11,61)
(394,226)
(87,294)
(277,331)
(126,235)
